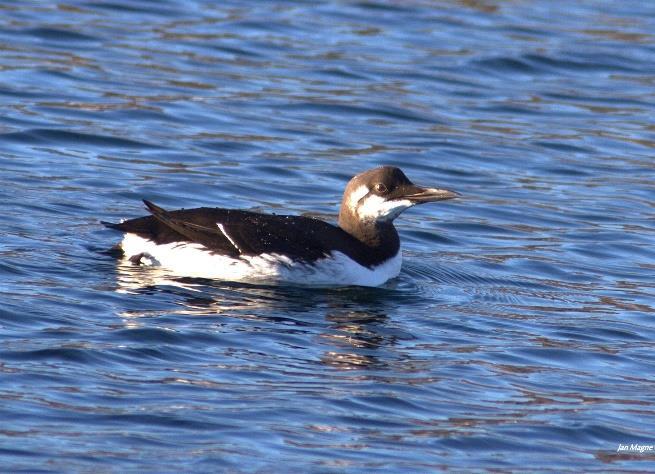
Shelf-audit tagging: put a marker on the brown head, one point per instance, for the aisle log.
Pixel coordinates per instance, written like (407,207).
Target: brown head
(379,195)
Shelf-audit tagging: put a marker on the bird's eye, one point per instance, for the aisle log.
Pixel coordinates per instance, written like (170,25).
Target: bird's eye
(380,188)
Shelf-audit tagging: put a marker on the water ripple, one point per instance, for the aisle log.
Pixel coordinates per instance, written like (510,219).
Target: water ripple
(520,323)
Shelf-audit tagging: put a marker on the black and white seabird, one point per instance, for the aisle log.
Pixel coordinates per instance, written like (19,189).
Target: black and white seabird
(364,249)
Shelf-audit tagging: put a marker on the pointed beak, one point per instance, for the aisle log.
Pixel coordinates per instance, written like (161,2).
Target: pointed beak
(419,195)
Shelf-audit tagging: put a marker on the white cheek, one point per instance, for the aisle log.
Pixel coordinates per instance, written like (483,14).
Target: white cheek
(376,208)
(356,195)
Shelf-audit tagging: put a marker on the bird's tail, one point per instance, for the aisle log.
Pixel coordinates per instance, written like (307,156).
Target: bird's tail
(112,225)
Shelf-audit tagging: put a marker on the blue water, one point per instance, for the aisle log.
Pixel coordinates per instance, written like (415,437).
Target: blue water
(519,335)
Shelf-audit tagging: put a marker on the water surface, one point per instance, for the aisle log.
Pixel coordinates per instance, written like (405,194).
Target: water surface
(519,333)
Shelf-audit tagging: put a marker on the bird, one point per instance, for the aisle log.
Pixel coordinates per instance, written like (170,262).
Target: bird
(363,249)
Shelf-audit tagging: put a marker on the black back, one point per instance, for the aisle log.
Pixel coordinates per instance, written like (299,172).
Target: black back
(250,233)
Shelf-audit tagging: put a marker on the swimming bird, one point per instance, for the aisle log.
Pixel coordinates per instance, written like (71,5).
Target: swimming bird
(227,244)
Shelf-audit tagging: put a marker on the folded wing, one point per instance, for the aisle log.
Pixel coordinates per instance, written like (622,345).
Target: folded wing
(234,233)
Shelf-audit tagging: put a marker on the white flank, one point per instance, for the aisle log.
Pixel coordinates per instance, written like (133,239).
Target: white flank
(194,260)
(377,208)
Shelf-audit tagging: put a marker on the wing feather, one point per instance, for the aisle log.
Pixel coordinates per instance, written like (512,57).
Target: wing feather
(210,237)
(235,232)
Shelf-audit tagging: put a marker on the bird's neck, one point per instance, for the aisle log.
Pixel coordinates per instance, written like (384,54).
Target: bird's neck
(373,234)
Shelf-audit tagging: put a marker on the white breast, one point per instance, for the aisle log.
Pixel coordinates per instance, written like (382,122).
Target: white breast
(194,260)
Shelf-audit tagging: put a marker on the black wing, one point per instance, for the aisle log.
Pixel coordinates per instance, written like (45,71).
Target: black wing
(232,232)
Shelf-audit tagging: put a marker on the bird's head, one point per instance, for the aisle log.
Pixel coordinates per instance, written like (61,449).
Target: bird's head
(381,194)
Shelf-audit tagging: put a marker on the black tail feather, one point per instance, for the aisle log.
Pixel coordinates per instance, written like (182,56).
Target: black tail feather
(154,209)
(112,225)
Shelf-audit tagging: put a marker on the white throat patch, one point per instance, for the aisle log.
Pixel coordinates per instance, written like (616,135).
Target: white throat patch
(377,208)
(355,196)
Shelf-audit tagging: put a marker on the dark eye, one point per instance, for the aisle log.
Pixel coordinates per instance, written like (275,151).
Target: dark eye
(380,188)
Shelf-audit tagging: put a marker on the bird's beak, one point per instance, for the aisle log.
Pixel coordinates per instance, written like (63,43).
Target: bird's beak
(419,195)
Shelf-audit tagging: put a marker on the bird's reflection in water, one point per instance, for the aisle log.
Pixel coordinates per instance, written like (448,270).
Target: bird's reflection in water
(349,321)
(356,341)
